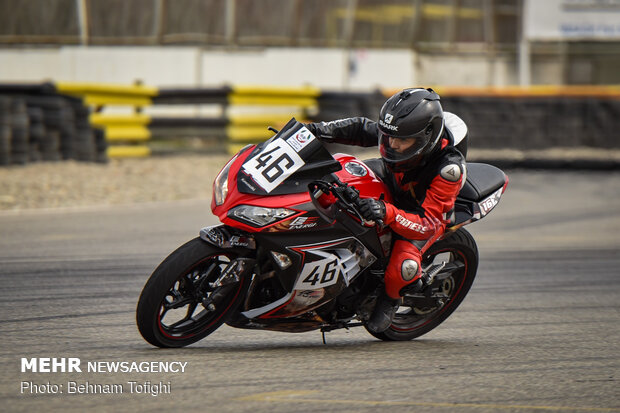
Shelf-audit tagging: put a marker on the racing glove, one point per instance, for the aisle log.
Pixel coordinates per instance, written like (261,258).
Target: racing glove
(371,209)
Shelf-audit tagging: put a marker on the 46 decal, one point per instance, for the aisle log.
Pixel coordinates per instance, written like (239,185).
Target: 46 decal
(278,160)
(321,273)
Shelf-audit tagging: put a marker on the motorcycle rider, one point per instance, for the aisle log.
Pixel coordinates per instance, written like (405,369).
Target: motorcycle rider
(423,163)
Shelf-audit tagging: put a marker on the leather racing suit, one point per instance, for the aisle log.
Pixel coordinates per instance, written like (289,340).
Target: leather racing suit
(423,197)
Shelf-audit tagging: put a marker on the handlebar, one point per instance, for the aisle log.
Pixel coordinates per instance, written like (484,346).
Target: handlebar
(346,195)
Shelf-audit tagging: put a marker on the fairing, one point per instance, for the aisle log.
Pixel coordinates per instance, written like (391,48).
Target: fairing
(323,262)
(248,185)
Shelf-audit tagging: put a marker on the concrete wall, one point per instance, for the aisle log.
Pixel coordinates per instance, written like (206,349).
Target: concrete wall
(154,66)
(191,66)
(463,70)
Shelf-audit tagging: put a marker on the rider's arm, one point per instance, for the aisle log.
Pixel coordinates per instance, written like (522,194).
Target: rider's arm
(432,216)
(357,131)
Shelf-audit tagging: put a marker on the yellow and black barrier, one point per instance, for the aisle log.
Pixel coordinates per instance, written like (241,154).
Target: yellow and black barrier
(129,135)
(99,95)
(507,117)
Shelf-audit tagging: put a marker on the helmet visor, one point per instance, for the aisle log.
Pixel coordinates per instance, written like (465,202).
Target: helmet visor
(395,149)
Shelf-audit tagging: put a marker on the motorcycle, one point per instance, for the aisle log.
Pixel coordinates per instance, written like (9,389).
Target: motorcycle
(293,253)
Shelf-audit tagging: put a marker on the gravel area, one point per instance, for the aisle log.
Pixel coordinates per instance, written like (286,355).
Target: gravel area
(174,177)
(121,181)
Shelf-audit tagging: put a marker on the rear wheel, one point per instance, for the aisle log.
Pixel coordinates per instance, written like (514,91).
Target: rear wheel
(171,312)
(420,313)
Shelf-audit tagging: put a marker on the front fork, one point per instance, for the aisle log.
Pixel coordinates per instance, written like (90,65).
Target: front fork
(227,238)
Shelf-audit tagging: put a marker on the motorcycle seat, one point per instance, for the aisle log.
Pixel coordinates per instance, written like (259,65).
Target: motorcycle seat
(482,180)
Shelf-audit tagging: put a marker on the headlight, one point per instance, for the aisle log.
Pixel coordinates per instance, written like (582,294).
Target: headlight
(259,216)
(220,185)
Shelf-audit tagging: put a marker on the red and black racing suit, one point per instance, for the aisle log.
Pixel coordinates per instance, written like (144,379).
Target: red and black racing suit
(423,197)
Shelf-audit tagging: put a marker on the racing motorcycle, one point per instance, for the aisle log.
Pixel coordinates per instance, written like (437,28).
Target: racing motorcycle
(294,254)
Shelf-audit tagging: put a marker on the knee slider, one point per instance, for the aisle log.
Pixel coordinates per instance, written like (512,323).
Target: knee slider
(409,269)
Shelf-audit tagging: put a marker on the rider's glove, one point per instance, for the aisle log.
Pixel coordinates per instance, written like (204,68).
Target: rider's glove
(371,209)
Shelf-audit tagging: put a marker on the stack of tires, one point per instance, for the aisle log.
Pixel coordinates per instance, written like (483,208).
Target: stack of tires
(40,127)
(5,131)
(37,133)
(14,131)
(20,128)
(101,145)
(84,137)
(56,143)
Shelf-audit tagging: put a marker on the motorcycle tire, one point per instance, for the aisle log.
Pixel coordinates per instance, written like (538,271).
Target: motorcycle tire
(412,319)
(170,312)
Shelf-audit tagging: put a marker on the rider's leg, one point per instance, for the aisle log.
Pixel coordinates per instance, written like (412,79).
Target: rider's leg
(404,267)
(402,270)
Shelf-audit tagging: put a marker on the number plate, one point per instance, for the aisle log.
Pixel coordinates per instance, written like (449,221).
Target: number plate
(278,160)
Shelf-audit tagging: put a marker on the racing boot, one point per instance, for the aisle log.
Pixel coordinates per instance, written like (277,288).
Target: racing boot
(383,314)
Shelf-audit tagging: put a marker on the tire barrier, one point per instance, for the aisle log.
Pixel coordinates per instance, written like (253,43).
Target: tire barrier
(39,124)
(5,131)
(539,117)
(67,121)
(515,118)
(20,133)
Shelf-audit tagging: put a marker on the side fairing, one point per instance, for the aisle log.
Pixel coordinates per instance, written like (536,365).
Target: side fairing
(323,270)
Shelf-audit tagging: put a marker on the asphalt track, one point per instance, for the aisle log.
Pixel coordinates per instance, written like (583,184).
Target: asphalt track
(539,331)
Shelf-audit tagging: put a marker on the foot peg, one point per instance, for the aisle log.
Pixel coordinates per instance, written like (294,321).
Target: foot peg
(427,278)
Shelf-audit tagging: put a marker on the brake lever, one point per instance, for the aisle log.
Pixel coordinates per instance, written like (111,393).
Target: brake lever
(348,196)
(347,193)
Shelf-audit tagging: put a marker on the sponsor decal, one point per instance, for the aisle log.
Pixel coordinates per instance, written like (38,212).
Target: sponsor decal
(388,118)
(308,297)
(410,224)
(451,172)
(489,203)
(409,269)
(245,181)
(301,139)
(304,222)
(387,125)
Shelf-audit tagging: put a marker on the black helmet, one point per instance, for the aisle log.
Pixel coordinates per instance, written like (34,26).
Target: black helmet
(410,114)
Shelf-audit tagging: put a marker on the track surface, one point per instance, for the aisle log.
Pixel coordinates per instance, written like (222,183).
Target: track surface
(539,331)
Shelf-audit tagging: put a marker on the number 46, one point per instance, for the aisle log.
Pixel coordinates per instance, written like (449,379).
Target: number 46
(274,170)
(328,275)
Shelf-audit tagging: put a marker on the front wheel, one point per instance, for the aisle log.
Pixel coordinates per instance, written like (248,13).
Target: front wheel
(170,310)
(457,256)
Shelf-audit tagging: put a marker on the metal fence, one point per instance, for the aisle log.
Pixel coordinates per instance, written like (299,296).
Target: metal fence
(488,28)
(315,23)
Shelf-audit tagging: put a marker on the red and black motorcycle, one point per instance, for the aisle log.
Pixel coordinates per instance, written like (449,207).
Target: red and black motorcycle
(294,254)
